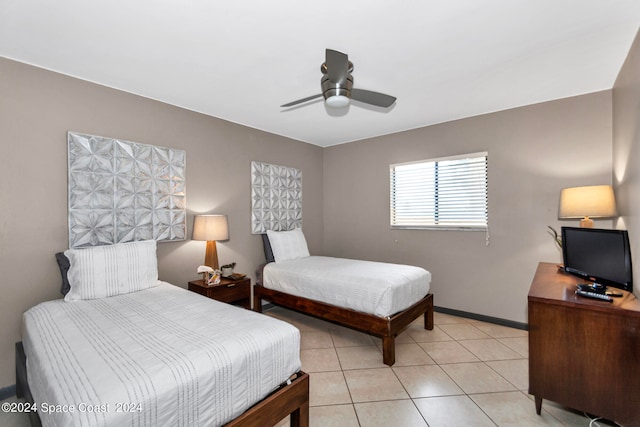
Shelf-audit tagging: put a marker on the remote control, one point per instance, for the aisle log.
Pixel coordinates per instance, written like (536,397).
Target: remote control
(602,297)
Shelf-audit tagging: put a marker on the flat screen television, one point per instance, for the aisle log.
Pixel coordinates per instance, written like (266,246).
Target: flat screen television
(599,255)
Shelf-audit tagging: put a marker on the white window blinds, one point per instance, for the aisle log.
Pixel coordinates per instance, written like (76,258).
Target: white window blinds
(444,193)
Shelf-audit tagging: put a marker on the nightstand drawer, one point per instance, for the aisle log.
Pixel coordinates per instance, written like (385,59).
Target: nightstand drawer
(229,291)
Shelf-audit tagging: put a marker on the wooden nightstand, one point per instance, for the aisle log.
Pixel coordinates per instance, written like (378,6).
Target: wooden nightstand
(236,292)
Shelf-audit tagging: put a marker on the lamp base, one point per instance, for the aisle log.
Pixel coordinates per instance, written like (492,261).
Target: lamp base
(586,222)
(211,255)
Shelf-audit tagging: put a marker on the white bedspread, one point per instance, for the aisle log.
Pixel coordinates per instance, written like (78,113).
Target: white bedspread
(376,288)
(162,356)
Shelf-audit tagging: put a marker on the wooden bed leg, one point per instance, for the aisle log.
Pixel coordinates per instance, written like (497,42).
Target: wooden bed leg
(21,370)
(389,350)
(300,417)
(257,303)
(428,314)
(428,319)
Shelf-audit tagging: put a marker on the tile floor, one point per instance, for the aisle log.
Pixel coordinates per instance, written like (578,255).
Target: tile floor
(463,373)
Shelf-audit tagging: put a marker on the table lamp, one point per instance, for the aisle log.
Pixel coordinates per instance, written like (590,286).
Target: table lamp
(595,201)
(211,228)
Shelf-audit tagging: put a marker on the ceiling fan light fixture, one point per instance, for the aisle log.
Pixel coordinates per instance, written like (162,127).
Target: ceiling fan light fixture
(337,85)
(337,95)
(337,101)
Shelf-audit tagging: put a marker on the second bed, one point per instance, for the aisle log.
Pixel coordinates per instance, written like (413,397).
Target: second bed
(380,299)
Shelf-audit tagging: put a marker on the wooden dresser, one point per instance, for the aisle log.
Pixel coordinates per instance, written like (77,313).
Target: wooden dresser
(583,353)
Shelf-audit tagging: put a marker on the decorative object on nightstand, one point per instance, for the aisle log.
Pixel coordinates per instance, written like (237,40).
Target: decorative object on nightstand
(594,201)
(231,291)
(211,228)
(209,275)
(214,278)
(206,271)
(227,269)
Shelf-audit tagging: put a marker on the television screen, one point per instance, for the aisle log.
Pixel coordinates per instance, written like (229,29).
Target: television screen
(598,255)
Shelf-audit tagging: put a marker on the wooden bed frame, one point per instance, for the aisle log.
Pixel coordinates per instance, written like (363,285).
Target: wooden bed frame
(386,328)
(291,398)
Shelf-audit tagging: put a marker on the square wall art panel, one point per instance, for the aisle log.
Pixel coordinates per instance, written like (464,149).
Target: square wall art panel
(276,198)
(121,191)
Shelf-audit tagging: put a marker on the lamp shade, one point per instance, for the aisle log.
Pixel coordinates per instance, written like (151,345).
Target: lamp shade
(595,201)
(210,227)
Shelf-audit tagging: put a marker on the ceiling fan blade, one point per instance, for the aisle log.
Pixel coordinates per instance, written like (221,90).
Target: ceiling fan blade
(337,66)
(374,98)
(300,101)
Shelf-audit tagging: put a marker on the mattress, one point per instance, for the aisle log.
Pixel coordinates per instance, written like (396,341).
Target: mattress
(162,356)
(381,289)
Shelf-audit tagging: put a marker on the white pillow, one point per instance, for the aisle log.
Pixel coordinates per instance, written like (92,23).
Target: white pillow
(288,245)
(104,271)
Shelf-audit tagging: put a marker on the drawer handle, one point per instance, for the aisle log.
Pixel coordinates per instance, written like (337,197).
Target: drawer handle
(231,285)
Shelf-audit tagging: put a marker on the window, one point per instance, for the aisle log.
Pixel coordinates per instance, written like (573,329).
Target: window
(444,193)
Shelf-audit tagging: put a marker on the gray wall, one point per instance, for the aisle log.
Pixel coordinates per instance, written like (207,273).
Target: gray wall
(38,107)
(534,152)
(626,152)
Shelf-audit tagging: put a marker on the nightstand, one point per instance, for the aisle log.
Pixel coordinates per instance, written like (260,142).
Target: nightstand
(236,292)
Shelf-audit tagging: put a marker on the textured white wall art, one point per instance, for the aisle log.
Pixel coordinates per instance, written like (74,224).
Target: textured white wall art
(121,191)
(276,198)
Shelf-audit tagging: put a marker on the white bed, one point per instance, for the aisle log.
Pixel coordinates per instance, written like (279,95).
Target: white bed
(381,289)
(178,358)
(377,298)
(127,349)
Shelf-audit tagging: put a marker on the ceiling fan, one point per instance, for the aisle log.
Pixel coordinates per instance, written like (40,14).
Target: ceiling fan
(337,85)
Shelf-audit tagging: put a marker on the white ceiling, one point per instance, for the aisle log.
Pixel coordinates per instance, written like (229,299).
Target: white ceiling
(240,60)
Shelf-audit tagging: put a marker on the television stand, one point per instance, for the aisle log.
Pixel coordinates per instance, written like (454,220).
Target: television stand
(583,353)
